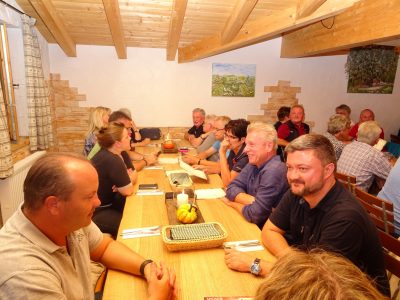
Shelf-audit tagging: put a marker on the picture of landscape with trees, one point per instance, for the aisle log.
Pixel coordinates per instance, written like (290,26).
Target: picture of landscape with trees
(371,69)
(233,80)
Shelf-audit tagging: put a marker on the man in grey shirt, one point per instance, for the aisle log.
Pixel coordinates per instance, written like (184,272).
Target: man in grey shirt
(46,246)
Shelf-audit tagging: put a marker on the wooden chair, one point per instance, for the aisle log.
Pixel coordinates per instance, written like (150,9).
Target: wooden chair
(381,211)
(391,254)
(395,138)
(348,181)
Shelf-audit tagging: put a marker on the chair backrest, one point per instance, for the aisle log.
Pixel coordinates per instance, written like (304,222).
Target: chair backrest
(380,211)
(348,181)
(395,138)
(391,252)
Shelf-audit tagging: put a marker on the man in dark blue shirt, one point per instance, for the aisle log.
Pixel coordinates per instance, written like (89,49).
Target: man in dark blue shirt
(262,183)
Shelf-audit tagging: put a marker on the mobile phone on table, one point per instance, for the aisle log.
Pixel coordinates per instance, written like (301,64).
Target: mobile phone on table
(148,186)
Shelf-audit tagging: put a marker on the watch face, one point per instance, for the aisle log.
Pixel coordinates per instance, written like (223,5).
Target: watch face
(255,269)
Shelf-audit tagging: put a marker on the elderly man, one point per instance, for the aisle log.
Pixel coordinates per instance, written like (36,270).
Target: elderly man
(365,115)
(317,212)
(338,129)
(262,183)
(212,152)
(207,139)
(198,116)
(293,128)
(46,246)
(362,160)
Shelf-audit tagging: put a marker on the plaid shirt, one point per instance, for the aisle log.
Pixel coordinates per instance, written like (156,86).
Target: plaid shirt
(337,145)
(364,162)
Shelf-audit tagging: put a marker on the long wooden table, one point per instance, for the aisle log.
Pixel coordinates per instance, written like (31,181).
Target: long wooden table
(200,273)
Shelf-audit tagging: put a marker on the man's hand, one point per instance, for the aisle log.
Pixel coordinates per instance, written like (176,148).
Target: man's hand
(226,201)
(190,159)
(161,282)
(151,159)
(238,261)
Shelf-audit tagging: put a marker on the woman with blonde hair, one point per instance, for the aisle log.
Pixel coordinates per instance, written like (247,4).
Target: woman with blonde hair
(98,119)
(116,176)
(317,275)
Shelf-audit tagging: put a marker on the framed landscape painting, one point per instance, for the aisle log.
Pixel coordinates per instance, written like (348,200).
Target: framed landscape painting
(233,80)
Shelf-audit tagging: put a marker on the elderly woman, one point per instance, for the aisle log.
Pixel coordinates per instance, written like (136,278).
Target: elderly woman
(116,176)
(337,133)
(98,119)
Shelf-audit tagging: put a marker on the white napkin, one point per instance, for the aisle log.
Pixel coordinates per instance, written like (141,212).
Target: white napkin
(209,193)
(245,246)
(149,192)
(168,160)
(140,232)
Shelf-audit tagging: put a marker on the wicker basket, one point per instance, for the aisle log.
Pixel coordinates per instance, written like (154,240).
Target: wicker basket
(193,236)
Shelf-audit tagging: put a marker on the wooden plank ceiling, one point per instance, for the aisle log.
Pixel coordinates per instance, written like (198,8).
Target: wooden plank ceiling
(192,28)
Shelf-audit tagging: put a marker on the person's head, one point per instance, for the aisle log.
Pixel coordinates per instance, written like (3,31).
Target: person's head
(260,143)
(344,110)
(198,115)
(367,115)
(297,114)
(219,126)
(120,117)
(64,185)
(114,136)
(98,118)
(316,275)
(236,132)
(338,124)
(368,132)
(311,164)
(283,113)
(126,112)
(209,123)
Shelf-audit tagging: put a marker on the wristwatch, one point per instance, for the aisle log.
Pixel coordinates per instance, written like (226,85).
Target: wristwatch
(255,268)
(143,265)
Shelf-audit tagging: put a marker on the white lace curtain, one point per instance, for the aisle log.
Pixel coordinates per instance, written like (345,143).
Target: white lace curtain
(40,129)
(6,164)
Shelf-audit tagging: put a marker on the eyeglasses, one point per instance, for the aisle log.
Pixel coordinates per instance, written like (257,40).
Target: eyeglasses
(229,136)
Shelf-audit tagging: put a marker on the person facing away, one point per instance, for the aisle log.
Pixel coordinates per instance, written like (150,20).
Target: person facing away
(345,110)
(361,160)
(261,184)
(46,246)
(97,120)
(283,115)
(317,275)
(198,116)
(337,132)
(317,212)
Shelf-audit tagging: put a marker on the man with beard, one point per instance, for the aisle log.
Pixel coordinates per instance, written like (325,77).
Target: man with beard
(317,211)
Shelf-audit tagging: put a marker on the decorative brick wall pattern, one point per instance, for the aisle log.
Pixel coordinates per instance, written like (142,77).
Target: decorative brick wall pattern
(70,121)
(281,95)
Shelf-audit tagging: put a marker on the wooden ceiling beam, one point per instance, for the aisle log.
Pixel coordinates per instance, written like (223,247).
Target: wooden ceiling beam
(175,27)
(238,17)
(261,30)
(48,13)
(307,7)
(367,22)
(111,8)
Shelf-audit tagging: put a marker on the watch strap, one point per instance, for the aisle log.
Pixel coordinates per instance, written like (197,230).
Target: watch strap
(143,265)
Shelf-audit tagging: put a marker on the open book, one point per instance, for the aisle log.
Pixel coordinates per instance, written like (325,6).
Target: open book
(191,171)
